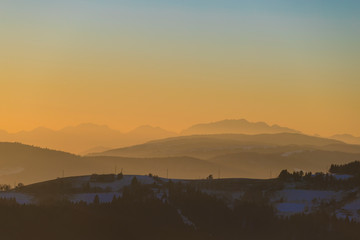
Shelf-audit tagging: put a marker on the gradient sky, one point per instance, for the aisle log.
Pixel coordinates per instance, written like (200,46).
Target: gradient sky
(175,63)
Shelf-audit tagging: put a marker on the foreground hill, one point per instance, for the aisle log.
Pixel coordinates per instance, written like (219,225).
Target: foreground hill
(294,206)
(335,193)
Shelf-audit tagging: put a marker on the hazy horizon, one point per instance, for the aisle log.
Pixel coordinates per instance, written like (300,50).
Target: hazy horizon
(86,138)
(177,131)
(89,138)
(169,64)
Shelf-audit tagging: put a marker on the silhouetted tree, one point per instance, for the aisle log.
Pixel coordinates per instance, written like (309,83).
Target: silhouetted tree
(96,200)
(284,175)
(134,181)
(120,176)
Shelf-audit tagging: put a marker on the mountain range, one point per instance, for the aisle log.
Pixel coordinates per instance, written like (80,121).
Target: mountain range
(88,137)
(236,126)
(85,138)
(218,148)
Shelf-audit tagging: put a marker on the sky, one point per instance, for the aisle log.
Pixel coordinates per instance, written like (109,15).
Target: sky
(172,64)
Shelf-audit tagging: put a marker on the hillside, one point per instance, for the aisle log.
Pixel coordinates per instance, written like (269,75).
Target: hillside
(207,146)
(24,163)
(189,157)
(28,164)
(134,206)
(266,165)
(251,156)
(288,194)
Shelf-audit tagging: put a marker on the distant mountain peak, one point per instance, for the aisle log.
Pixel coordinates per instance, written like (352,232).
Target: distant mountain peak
(151,130)
(3,132)
(236,126)
(88,128)
(88,125)
(344,135)
(145,127)
(348,138)
(42,129)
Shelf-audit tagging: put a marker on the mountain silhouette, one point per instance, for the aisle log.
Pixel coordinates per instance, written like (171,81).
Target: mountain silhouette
(79,139)
(236,126)
(348,138)
(88,137)
(147,130)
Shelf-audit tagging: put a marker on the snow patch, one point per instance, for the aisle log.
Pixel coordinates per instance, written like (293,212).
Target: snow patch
(20,198)
(290,208)
(300,195)
(342,176)
(89,197)
(292,201)
(185,219)
(350,210)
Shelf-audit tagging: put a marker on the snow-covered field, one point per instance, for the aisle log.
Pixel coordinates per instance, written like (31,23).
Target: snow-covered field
(287,202)
(114,187)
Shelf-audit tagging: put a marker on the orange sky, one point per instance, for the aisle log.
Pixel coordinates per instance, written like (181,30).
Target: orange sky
(174,66)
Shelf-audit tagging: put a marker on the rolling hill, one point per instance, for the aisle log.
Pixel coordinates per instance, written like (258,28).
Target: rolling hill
(191,157)
(251,156)
(207,146)
(28,164)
